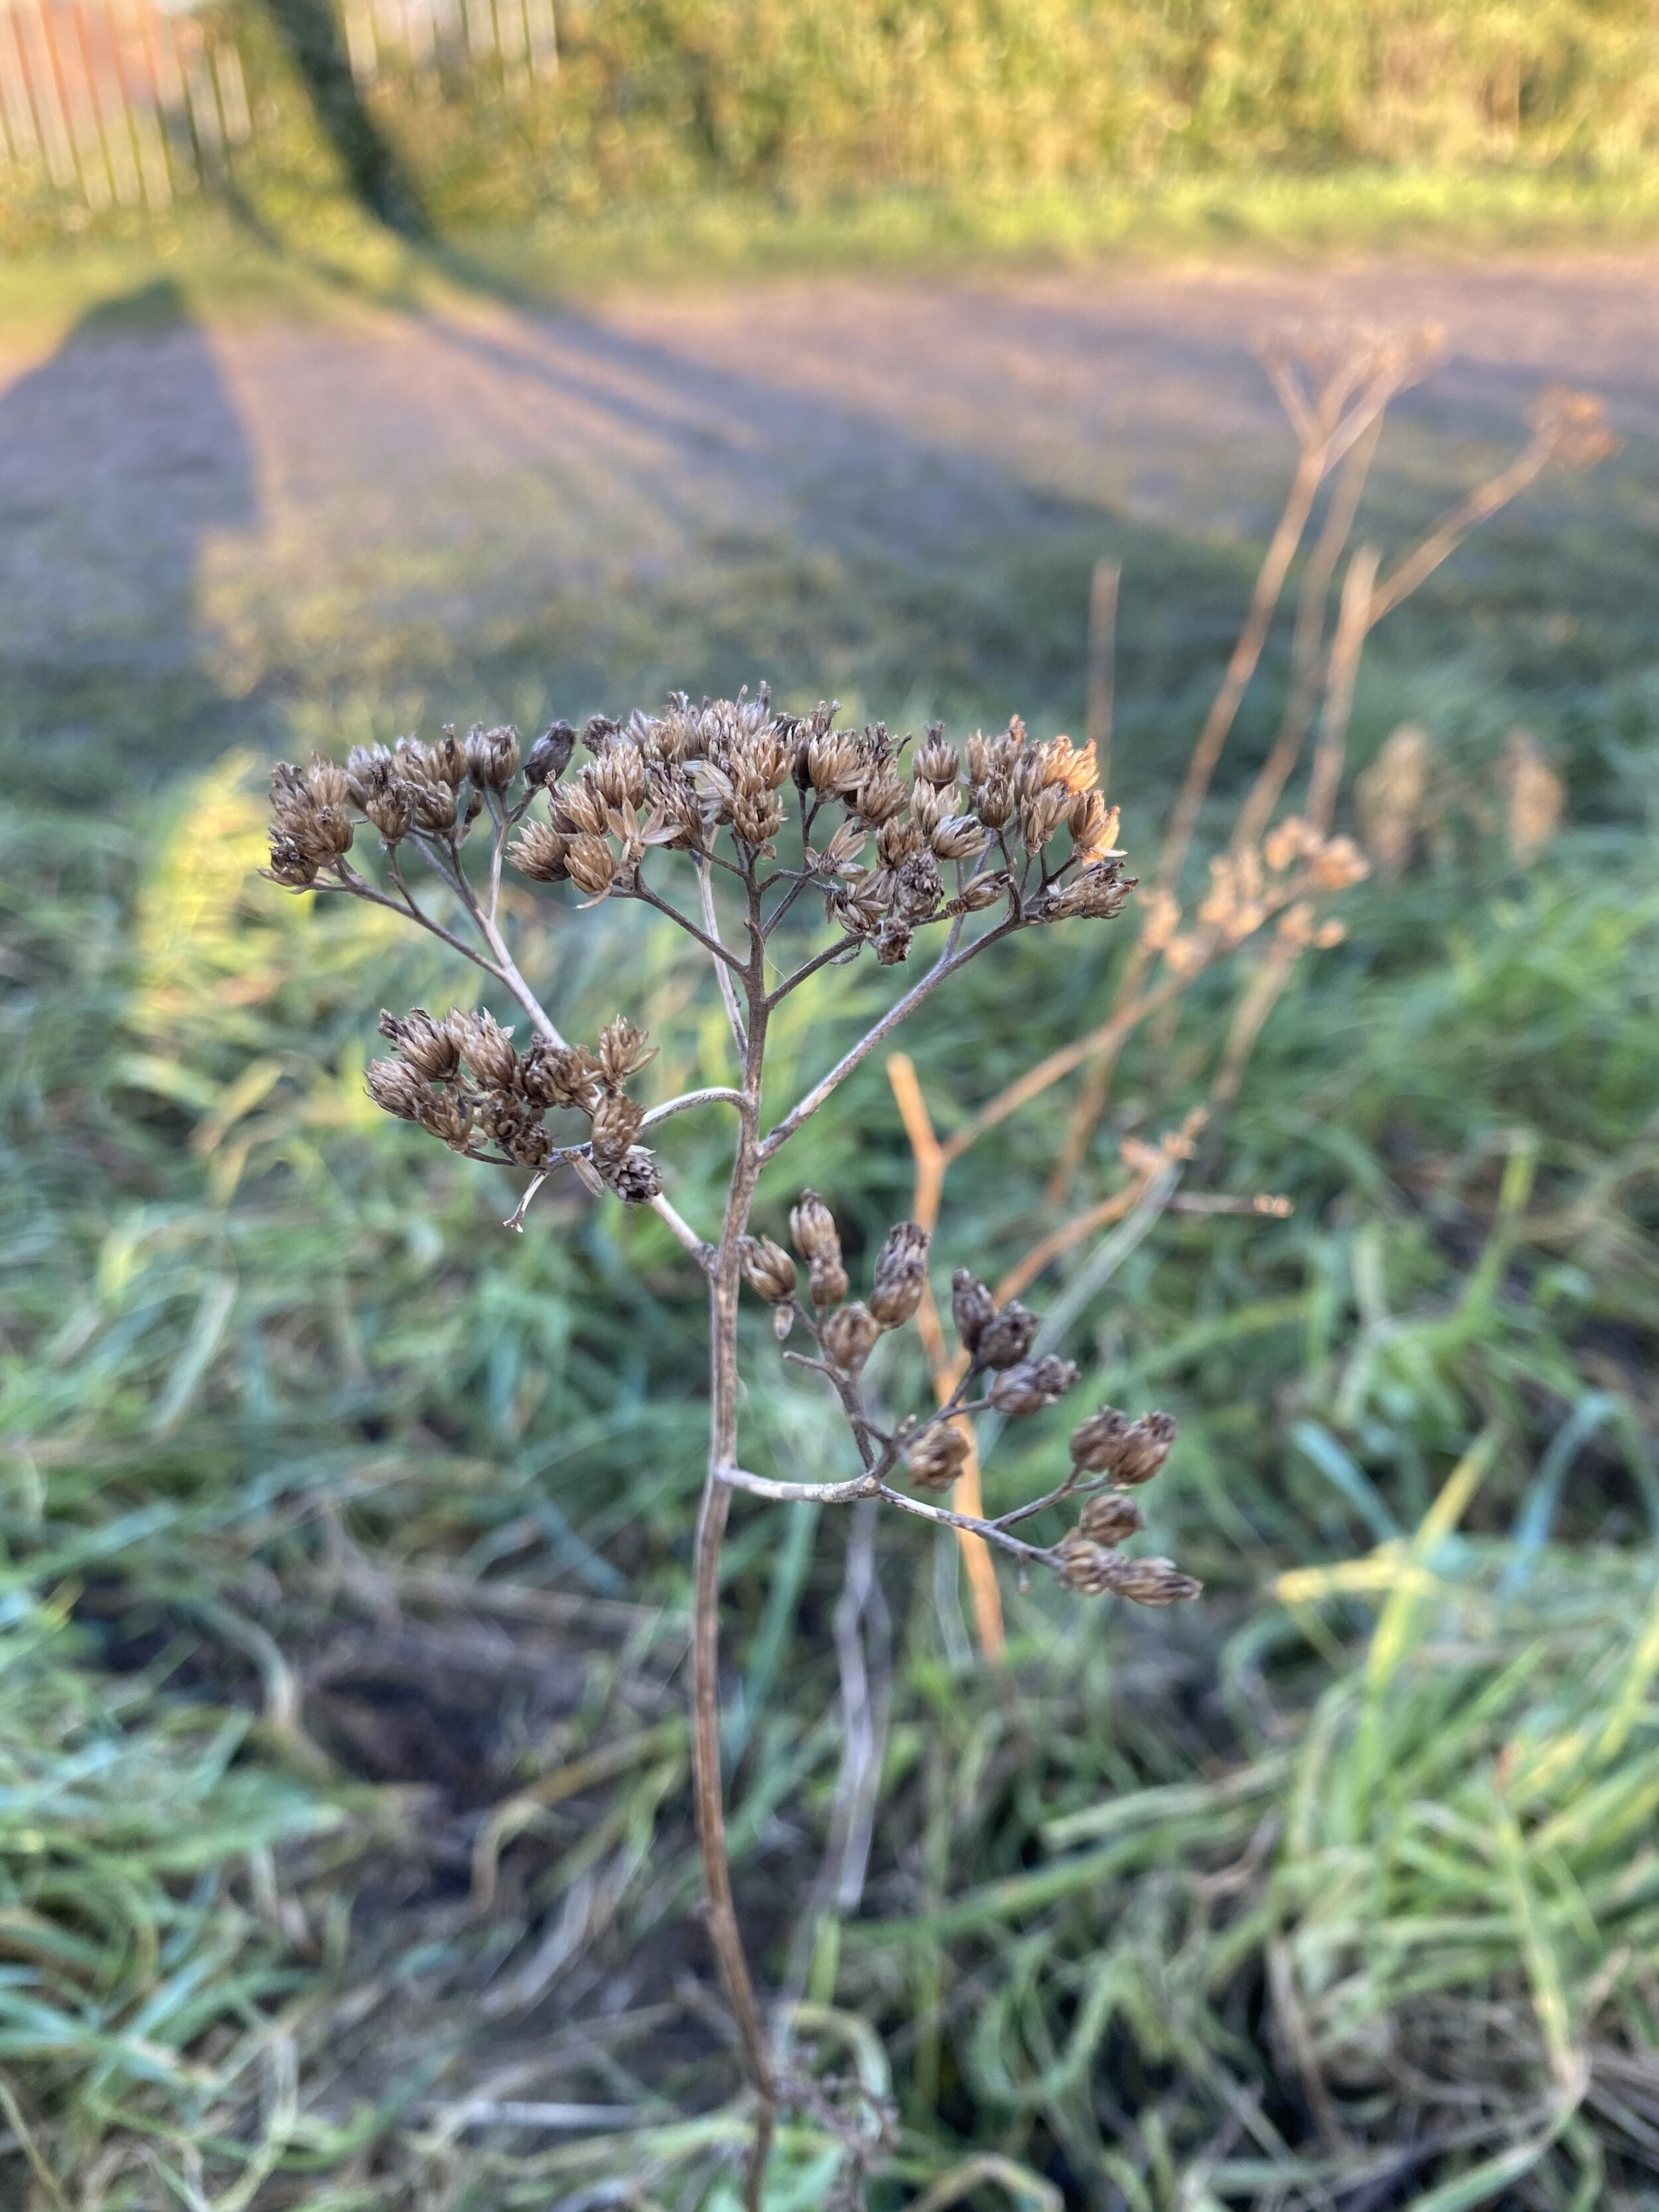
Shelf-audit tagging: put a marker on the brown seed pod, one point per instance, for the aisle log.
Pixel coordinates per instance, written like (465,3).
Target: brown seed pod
(937,1457)
(390,807)
(616,1119)
(972,1307)
(767,1269)
(1007,1336)
(901,1275)
(486,1048)
(848,1335)
(1145,1448)
(634,1178)
(1110,1518)
(539,852)
(1085,1566)
(812,1227)
(1097,1441)
(591,864)
(550,756)
(397,1089)
(558,1075)
(827,1279)
(430,1047)
(492,756)
(1030,1384)
(1152,1581)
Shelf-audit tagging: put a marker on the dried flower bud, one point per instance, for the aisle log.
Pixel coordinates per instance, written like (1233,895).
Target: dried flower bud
(291,866)
(994,800)
(550,756)
(901,1275)
(937,1457)
(1007,1337)
(812,1227)
(893,941)
(1097,1442)
(435,806)
(430,1047)
(368,768)
(539,852)
(936,762)
(1152,1581)
(917,889)
(783,1319)
(328,782)
(1030,1384)
(397,1089)
(833,766)
(1098,893)
(1085,1566)
(447,1115)
(616,1119)
(1145,1448)
(486,1048)
(492,756)
(881,794)
(959,838)
(1041,814)
(620,777)
(827,1281)
(848,1335)
(390,807)
(591,864)
(1110,1518)
(634,1178)
(767,1269)
(972,1308)
(895,841)
(979,892)
(623,1051)
(598,732)
(557,1075)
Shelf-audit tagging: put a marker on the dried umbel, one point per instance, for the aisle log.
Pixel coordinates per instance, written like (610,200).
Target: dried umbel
(781,845)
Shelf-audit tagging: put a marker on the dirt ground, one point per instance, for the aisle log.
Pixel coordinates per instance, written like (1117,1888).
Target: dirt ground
(194,488)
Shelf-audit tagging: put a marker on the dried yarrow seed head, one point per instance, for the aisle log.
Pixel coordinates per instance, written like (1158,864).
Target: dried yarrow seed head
(396,1088)
(559,1075)
(812,1226)
(1030,1384)
(549,757)
(1085,1566)
(767,1269)
(634,1178)
(1110,1518)
(972,1309)
(1146,1447)
(432,1049)
(849,1334)
(492,756)
(901,1275)
(937,1457)
(538,851)
(486,1048)
(1153,1582)
(1007,1337)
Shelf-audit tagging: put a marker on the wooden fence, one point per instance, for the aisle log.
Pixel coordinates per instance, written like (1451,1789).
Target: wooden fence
(126,103)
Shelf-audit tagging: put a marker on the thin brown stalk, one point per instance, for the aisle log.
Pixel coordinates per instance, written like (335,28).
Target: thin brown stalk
(1307,638)
(1103,661)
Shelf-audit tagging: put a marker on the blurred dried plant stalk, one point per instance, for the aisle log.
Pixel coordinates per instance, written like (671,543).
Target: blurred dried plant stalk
(1272,886)
(870,847)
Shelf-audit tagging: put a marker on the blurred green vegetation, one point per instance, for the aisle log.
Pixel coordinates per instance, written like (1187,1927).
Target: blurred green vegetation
(739,130)
(336,1522)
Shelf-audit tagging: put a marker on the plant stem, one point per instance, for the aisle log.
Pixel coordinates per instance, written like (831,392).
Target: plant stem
(725,1935)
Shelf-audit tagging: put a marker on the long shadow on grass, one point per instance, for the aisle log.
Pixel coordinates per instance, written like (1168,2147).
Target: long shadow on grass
(121,455)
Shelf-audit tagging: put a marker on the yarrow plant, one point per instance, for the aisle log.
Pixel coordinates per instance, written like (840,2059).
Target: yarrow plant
(869,847)
(795,841)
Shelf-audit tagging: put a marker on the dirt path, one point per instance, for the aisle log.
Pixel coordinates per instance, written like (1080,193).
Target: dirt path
(169,492)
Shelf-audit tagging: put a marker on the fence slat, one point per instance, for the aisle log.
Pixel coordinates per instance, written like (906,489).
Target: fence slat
(139,82)
(43,92)
(24,138)
(109,101)
(69,65)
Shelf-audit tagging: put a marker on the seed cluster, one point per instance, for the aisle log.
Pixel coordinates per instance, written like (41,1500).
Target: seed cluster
(1111,1456)
(464,1081)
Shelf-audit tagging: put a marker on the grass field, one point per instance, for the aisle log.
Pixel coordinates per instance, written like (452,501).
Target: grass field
(345,1826)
